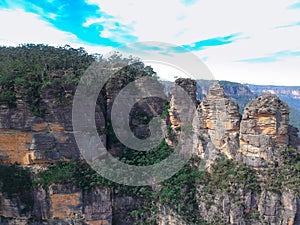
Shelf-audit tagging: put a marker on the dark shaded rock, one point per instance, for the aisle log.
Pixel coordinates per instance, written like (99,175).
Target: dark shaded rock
(190,87)
(98,204)
(294,140)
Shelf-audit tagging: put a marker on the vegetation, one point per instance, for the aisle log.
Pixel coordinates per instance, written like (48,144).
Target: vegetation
(285,173)
(144,158)
(28,69)
(228,175)
(75,173)
(165,113)
(177,192)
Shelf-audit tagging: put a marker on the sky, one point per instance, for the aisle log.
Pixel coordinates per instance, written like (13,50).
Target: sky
(246,41)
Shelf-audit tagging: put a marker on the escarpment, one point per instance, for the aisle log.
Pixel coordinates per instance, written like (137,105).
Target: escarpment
(243,170)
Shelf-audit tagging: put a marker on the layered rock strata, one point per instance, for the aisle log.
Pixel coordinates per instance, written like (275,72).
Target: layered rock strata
(221,120)
(264,127)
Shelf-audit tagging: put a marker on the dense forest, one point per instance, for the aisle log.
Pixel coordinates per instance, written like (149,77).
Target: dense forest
(27,69)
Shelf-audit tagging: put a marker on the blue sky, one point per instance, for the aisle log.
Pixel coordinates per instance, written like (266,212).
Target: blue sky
(244,41)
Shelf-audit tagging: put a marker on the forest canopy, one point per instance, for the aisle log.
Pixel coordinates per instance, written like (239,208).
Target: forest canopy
(27,69)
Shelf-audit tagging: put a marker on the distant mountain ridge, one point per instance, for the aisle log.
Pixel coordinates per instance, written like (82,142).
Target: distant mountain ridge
(290,94)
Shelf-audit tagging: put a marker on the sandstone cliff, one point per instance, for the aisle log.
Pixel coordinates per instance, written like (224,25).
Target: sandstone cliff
(264,127)
(289,94)
(221,119)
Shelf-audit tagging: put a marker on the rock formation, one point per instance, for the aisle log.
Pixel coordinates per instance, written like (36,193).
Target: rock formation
(221,119)
(220,131)
(264,127)
(179,103)
(27,139)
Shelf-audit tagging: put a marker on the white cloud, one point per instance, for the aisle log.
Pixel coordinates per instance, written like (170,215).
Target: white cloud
(162,20)
(152,20)
(167,72)
(280,73)
(20,27)
(91,21)
(171,21)
(113,28)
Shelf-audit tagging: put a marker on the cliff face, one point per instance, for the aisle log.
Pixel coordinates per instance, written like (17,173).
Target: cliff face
(26,139)
(264,127)
(238,151)
(177,102)
(221,119)
(61,204)
(250,208)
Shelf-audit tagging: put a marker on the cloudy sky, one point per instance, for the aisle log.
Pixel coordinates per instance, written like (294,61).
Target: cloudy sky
(247,41)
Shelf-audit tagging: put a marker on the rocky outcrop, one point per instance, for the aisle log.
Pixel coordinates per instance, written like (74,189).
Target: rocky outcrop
(221,119)
(183,103)
(294,140)
(178,102)
(289,94)
(219,128)
(264,127)
(190,87)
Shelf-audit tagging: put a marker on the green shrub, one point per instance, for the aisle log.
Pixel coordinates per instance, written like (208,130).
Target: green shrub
(229,175)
